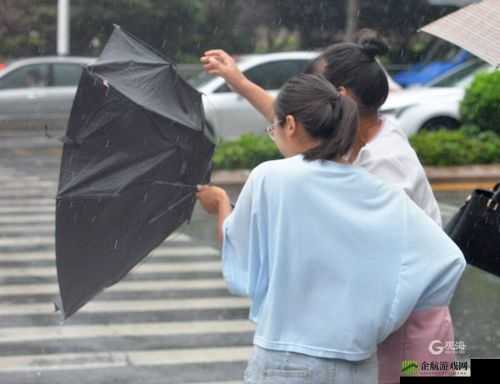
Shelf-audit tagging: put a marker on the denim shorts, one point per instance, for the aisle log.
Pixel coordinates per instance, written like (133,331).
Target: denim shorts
(276,367)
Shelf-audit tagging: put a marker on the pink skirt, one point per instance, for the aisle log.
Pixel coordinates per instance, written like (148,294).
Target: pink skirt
(423,338)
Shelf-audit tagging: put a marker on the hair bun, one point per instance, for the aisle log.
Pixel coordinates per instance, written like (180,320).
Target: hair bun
(372,44)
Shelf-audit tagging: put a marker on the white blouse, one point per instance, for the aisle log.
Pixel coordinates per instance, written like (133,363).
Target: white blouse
(390,156)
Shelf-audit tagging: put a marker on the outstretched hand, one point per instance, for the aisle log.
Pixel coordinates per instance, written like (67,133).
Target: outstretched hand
(219,63)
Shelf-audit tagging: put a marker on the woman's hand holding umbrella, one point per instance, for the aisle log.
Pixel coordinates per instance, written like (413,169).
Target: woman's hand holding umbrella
(216,202)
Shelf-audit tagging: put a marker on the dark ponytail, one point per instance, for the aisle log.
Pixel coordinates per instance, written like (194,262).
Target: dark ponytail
(354,66)
(324,113)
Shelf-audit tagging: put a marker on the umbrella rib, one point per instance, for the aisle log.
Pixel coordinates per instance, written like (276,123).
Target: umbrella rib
(175,184)
(170,207)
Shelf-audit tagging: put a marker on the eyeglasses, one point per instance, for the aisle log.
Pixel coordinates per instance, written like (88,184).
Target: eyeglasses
(270,130)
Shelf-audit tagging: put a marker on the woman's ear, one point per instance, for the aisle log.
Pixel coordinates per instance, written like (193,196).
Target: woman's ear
(343,91)
(346,92)
(290,125)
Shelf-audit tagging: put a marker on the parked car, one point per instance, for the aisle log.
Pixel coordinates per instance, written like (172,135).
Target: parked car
(435,106)
(229,114)
(422,73)
(39,92)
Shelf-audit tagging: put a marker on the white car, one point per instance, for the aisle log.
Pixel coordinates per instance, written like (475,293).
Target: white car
(436,105)
(229,114)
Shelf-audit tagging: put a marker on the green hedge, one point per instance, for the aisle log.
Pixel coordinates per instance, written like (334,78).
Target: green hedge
(461,147)
(442,147)
(481,103)
(245,153)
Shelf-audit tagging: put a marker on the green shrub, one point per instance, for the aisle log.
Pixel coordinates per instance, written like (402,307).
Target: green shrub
(468,145)
(245,153)
(481,104)
(461,147)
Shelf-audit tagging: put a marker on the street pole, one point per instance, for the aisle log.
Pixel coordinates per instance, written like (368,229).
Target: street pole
(351,19)
(63,25)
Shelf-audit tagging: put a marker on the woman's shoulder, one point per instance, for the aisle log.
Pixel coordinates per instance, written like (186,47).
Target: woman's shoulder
(277,167)
(390,148)
(296,171)
(391,139)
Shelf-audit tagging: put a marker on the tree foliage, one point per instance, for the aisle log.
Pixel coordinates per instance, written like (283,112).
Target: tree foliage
(185,28)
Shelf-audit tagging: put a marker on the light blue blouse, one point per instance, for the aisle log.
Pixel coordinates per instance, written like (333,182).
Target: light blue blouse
(333,259)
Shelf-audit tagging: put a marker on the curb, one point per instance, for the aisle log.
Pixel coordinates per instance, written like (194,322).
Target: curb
(467,173)
(441,178)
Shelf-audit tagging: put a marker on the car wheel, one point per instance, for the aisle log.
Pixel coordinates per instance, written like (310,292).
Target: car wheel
(442,122)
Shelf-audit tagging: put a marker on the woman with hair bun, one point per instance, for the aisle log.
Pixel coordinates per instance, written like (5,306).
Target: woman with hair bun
(382,148)
(332,258)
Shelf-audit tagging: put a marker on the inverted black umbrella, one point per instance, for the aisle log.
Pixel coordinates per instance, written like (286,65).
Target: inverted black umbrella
(136,146)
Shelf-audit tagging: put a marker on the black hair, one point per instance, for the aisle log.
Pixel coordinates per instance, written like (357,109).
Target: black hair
(324,113)
(354,67)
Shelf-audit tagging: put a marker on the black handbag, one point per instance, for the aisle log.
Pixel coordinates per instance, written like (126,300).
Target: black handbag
(475,228)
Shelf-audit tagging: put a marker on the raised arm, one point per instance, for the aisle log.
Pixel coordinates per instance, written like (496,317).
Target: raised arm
(218,62)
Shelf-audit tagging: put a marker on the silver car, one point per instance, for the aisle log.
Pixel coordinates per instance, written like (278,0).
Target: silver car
(39,92)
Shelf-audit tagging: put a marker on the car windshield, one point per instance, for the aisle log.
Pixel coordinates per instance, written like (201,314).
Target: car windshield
(463,77)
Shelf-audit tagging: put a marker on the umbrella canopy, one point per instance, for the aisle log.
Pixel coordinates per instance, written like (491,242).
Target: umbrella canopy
(475,28)
(136,146)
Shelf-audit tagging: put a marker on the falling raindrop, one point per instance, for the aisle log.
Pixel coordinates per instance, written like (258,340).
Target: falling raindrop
(116,244)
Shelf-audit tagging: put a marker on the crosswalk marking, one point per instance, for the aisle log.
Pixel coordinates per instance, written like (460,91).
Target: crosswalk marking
(29,180)
(35,202)
(210,266)
(22,184)
(48,240)
(72,361)
(24,209)
(27,193)
(44,240)
(162,251)
(128,306)
(124,286)
(16,219)
(25,334)
(9,230)
(25,240)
